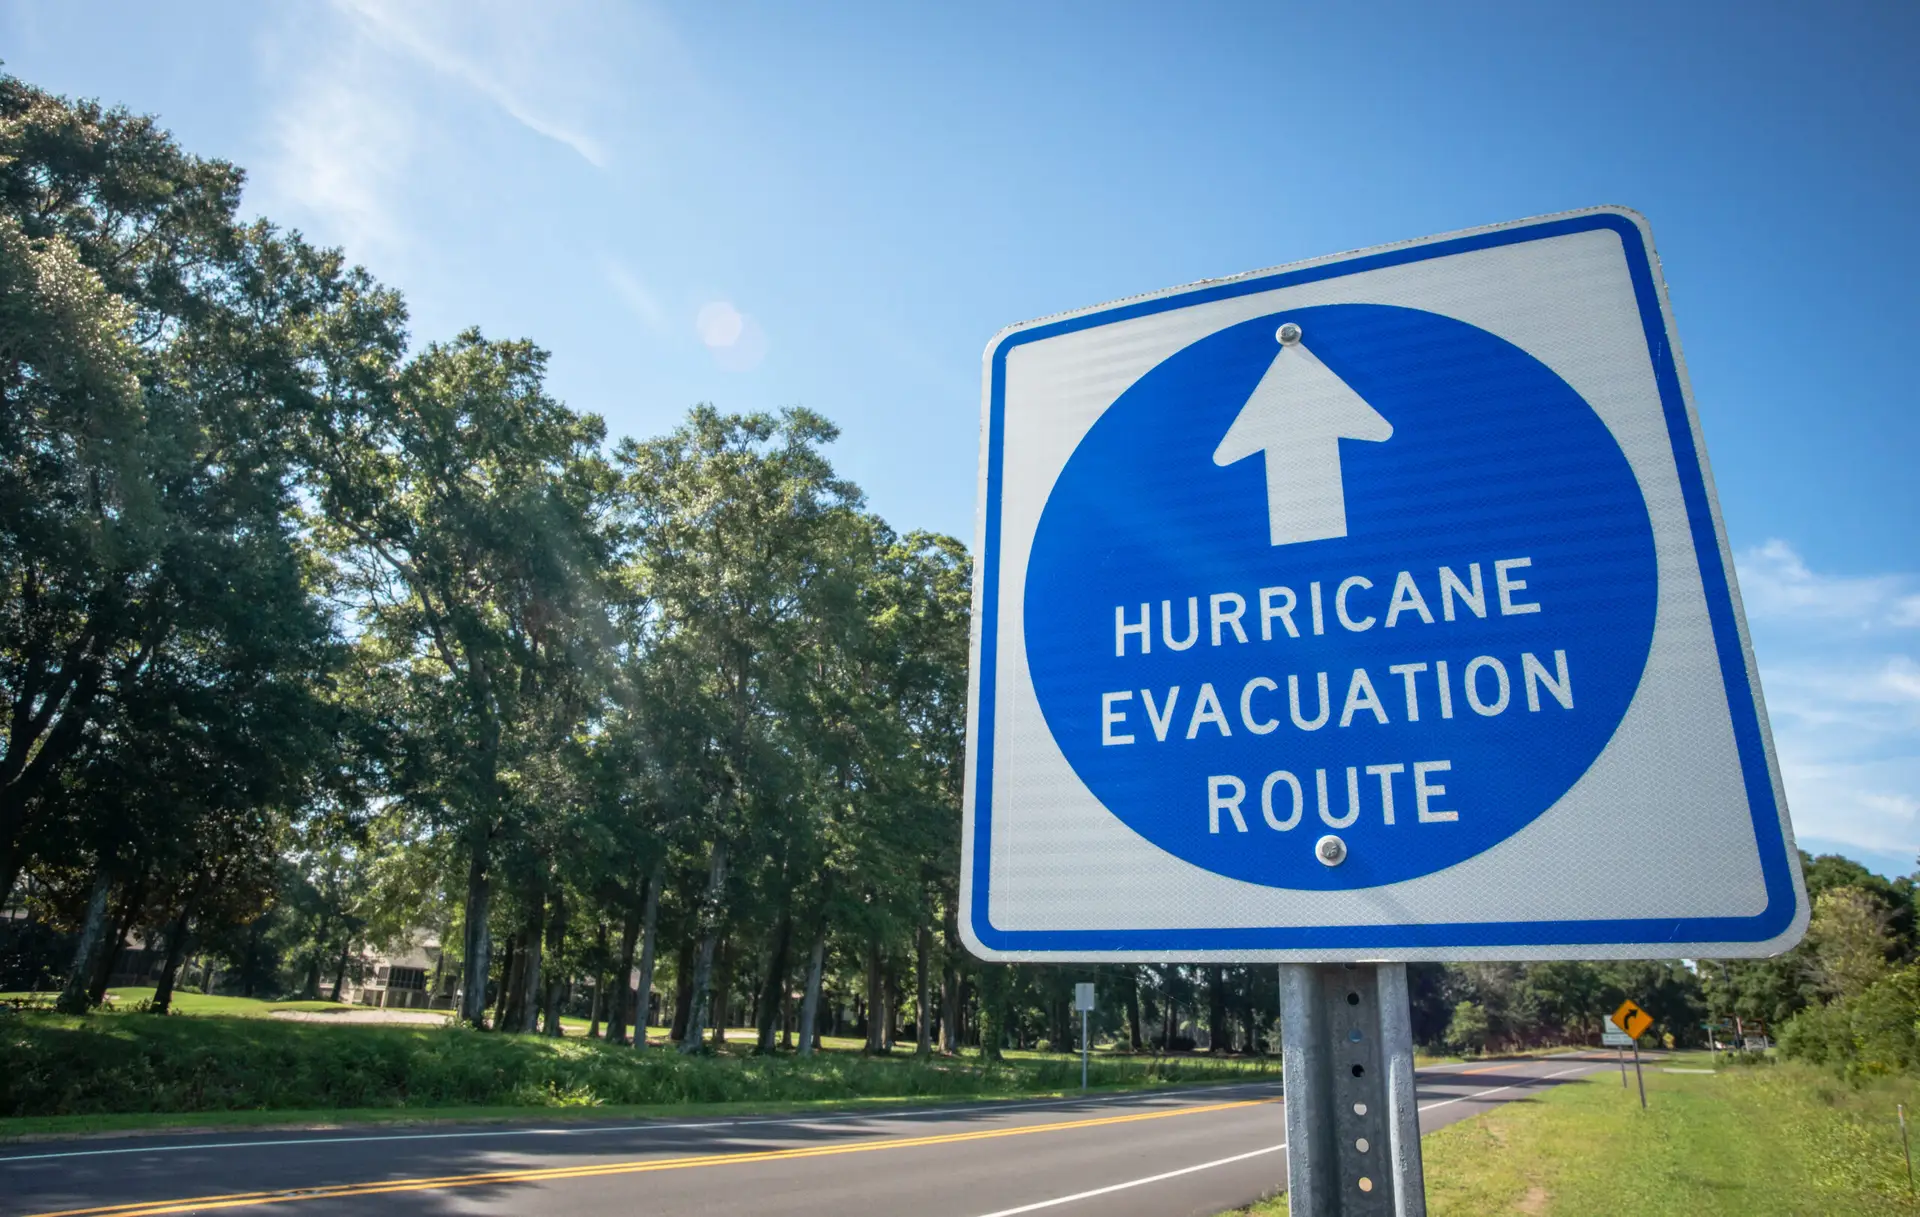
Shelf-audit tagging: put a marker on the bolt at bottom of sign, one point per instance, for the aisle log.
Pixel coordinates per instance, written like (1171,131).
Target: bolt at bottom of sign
(1331,850)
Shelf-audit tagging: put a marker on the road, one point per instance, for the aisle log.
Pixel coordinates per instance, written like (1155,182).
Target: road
(1197,1151)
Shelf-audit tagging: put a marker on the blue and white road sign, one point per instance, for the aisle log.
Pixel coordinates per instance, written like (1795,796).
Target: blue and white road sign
(1374,608)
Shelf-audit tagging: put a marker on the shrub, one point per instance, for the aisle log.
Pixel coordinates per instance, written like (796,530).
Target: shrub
(1875,1033)
(1468,1029)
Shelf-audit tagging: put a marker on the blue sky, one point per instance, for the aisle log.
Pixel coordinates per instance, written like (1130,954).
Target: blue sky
(763,205)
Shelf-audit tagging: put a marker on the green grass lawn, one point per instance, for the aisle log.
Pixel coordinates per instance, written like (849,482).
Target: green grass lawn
(123,1000)
(1753,1140)
(61,1074)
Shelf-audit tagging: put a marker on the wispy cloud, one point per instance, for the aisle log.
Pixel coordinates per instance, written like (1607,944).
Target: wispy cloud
(1840,662)
(1776,582)
(640,301)
(379,94)
(502,69)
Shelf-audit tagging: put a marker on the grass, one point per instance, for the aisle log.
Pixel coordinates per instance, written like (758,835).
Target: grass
(64,1074)
(1754,1140)
(121,1001)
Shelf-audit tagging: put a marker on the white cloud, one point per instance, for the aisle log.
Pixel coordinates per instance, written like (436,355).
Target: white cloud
(376,89)
(1776,582)
(340,146)
(1839,665)
(492,49)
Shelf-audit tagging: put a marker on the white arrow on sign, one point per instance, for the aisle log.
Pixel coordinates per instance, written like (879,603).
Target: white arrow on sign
(1298,414)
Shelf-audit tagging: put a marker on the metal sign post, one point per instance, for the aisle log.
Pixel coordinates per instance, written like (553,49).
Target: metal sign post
(1611,1036)
(1083,1002)
(1633,1022)
(1353,1128)
(1341,615)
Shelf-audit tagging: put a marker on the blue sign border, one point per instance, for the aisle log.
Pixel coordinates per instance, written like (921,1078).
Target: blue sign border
(1782,902)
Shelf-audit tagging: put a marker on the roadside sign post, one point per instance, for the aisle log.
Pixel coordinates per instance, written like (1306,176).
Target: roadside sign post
(1901,1110)
(1347,1071)
(1083,1002)
(1369,610)
(1613,1037)
(1633,1022)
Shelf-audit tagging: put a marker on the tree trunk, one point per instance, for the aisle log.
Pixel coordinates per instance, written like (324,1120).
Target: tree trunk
(682,991)
(10,857)
(599,1009)
(556,941)
(439,970)
(530,943)
(340,968)
(712,906)
(623,978)
(477,948)
(951,983)
(509,985)
(115,945)
(922,1022)
(992,986)
(649,939)
(719,1006)
(73,998)
(775,988)
(810,1004)
(1133,1009)
(1218,1032)
(876,1001)
(176,948)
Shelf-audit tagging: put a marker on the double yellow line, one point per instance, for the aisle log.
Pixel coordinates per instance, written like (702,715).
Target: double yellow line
(234,1200)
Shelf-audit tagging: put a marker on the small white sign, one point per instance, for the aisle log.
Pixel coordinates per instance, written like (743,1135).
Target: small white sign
(1612,1037)
(1083,995)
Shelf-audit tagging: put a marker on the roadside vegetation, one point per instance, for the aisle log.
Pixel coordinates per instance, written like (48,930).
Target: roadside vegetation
(1749,1140)
(59,1065)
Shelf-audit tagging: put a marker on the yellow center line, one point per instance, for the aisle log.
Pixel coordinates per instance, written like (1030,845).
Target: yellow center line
(154,1208)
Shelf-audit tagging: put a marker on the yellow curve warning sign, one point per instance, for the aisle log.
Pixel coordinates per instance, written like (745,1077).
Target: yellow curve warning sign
(1631,1019)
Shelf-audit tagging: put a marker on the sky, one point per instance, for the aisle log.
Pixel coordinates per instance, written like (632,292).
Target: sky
(837,206)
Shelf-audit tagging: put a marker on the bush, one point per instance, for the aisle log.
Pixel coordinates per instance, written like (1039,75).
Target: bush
(52,1065)
(1875,1033)
(1468,1029)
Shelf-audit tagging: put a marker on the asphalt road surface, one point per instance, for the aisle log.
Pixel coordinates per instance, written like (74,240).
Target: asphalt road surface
(1197,1151)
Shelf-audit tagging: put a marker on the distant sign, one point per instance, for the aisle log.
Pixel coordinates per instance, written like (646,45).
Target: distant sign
(1612,1037)
(1083,995)
(1632,1019)
(1374,608)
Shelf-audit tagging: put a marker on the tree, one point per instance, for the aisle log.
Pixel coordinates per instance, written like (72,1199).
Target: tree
(459,502)
(736,513)
(157,363)
(1850,943)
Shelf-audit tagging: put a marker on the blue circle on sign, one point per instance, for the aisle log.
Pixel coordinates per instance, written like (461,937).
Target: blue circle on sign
(1423,686)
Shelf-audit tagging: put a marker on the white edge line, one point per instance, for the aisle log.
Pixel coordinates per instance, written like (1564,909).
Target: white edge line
(1188,1170)
(1121,1187)
(1545,1077)
(987,1108)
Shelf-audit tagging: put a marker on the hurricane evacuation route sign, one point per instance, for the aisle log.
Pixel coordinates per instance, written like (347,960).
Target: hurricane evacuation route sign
(1373,608)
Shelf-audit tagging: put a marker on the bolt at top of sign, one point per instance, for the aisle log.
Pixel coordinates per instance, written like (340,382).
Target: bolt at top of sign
(1297,416)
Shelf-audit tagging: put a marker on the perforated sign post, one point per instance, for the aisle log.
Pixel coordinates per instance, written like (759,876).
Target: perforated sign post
(1367,610)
